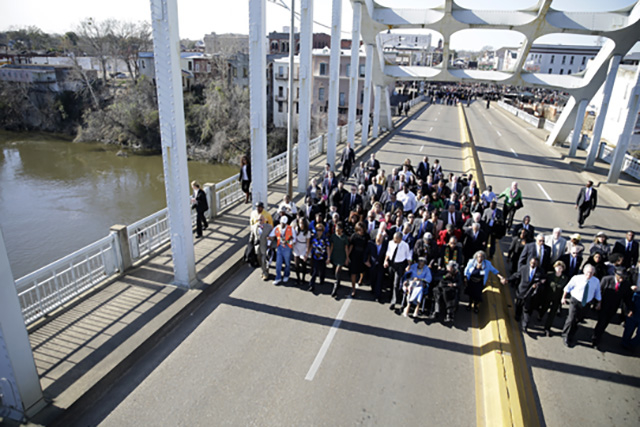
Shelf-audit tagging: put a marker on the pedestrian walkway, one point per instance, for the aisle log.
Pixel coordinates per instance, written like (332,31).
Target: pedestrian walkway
(88,344)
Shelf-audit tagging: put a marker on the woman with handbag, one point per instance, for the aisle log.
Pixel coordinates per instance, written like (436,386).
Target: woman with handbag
(512,202)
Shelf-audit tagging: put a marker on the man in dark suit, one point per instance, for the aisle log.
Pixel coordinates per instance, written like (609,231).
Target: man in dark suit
(329,184)
(615,290)
(337,195)
(525,225)
(348,158)
(349,202)
(442,190)
(471,190)
(573,261)
(628,248)
(451,216)
(473,240)
(539,250)
(423,225)
(374,259)
(586,202)
(393,204)
(373,166)
(199,203)
(492,216)
(423,169)
(531,278)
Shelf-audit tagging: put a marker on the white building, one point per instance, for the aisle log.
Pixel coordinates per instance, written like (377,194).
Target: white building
(320,87)
(559,59)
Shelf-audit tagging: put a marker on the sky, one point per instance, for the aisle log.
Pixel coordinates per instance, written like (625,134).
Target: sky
(200,17)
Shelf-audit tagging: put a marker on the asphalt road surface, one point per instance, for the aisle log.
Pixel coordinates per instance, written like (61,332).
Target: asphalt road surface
(259,354)
(579,385)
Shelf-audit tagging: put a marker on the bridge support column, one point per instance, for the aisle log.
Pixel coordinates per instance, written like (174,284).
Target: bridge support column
(366,106)
(354,75)
(387,108)
(305,78)
(563,125)
(19,383)
(375,131)
(334,83)
(258,99)
(166,42)
(597,129)
(633,106)
(577,127)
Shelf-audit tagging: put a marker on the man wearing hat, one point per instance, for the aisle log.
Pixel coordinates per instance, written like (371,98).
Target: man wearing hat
(586,202)
(284,236)
(615,289)
(258,212)
(259,239)
(574,242)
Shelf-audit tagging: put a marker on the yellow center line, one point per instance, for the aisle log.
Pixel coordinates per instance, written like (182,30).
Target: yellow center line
(504,392)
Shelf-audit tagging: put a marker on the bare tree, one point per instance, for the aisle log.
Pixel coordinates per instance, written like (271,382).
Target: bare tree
(129,39)
(96,38)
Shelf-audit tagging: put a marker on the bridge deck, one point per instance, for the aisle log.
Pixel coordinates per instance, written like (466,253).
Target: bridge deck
(244,353)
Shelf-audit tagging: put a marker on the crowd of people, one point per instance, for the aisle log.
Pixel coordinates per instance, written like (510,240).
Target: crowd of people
(428,237)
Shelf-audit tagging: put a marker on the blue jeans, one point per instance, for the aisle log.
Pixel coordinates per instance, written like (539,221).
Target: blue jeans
(283,254)
(631,325)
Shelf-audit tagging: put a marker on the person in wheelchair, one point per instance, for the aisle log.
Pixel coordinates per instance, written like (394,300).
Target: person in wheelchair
(415,285)
(447,292)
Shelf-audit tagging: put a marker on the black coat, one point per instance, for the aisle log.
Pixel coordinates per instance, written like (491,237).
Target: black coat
(371,255)
(630,257)
(611,299)
(530,251)
(566,258)
(525,288)
(347,206)
(531,232)
(201,205)
(593,201)
(423,170)
(471,246)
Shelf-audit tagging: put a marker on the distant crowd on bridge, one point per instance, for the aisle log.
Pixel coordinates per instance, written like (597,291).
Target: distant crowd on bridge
(423,239)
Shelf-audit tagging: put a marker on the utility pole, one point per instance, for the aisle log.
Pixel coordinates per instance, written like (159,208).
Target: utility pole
(292,51)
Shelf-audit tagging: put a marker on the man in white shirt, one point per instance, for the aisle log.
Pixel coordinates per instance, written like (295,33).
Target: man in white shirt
(582,288)
(397,259)
(288,206)
(408,199)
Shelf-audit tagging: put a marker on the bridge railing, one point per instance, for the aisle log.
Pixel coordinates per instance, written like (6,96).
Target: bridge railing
(630,165)
(49,287)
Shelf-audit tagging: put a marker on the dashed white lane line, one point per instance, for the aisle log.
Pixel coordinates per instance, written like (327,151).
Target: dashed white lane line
(422,148)
(327,341)
(545,193)
(514,152)
(431,128)
(490,124)
(499,134)
(435,120)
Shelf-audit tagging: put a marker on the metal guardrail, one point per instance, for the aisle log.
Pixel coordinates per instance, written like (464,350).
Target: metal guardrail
(49,287)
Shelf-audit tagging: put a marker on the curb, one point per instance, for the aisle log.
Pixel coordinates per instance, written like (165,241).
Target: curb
(504,391)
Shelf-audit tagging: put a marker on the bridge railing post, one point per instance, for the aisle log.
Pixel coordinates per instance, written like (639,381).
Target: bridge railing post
(212,199)
(122,246)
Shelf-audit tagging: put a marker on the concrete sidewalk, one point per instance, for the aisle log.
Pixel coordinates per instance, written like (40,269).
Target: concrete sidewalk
(626,191)
(83,348)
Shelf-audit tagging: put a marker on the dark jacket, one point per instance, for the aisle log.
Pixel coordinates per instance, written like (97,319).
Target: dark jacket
(524,287)
(201,204)
(530,251)
(593,201)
